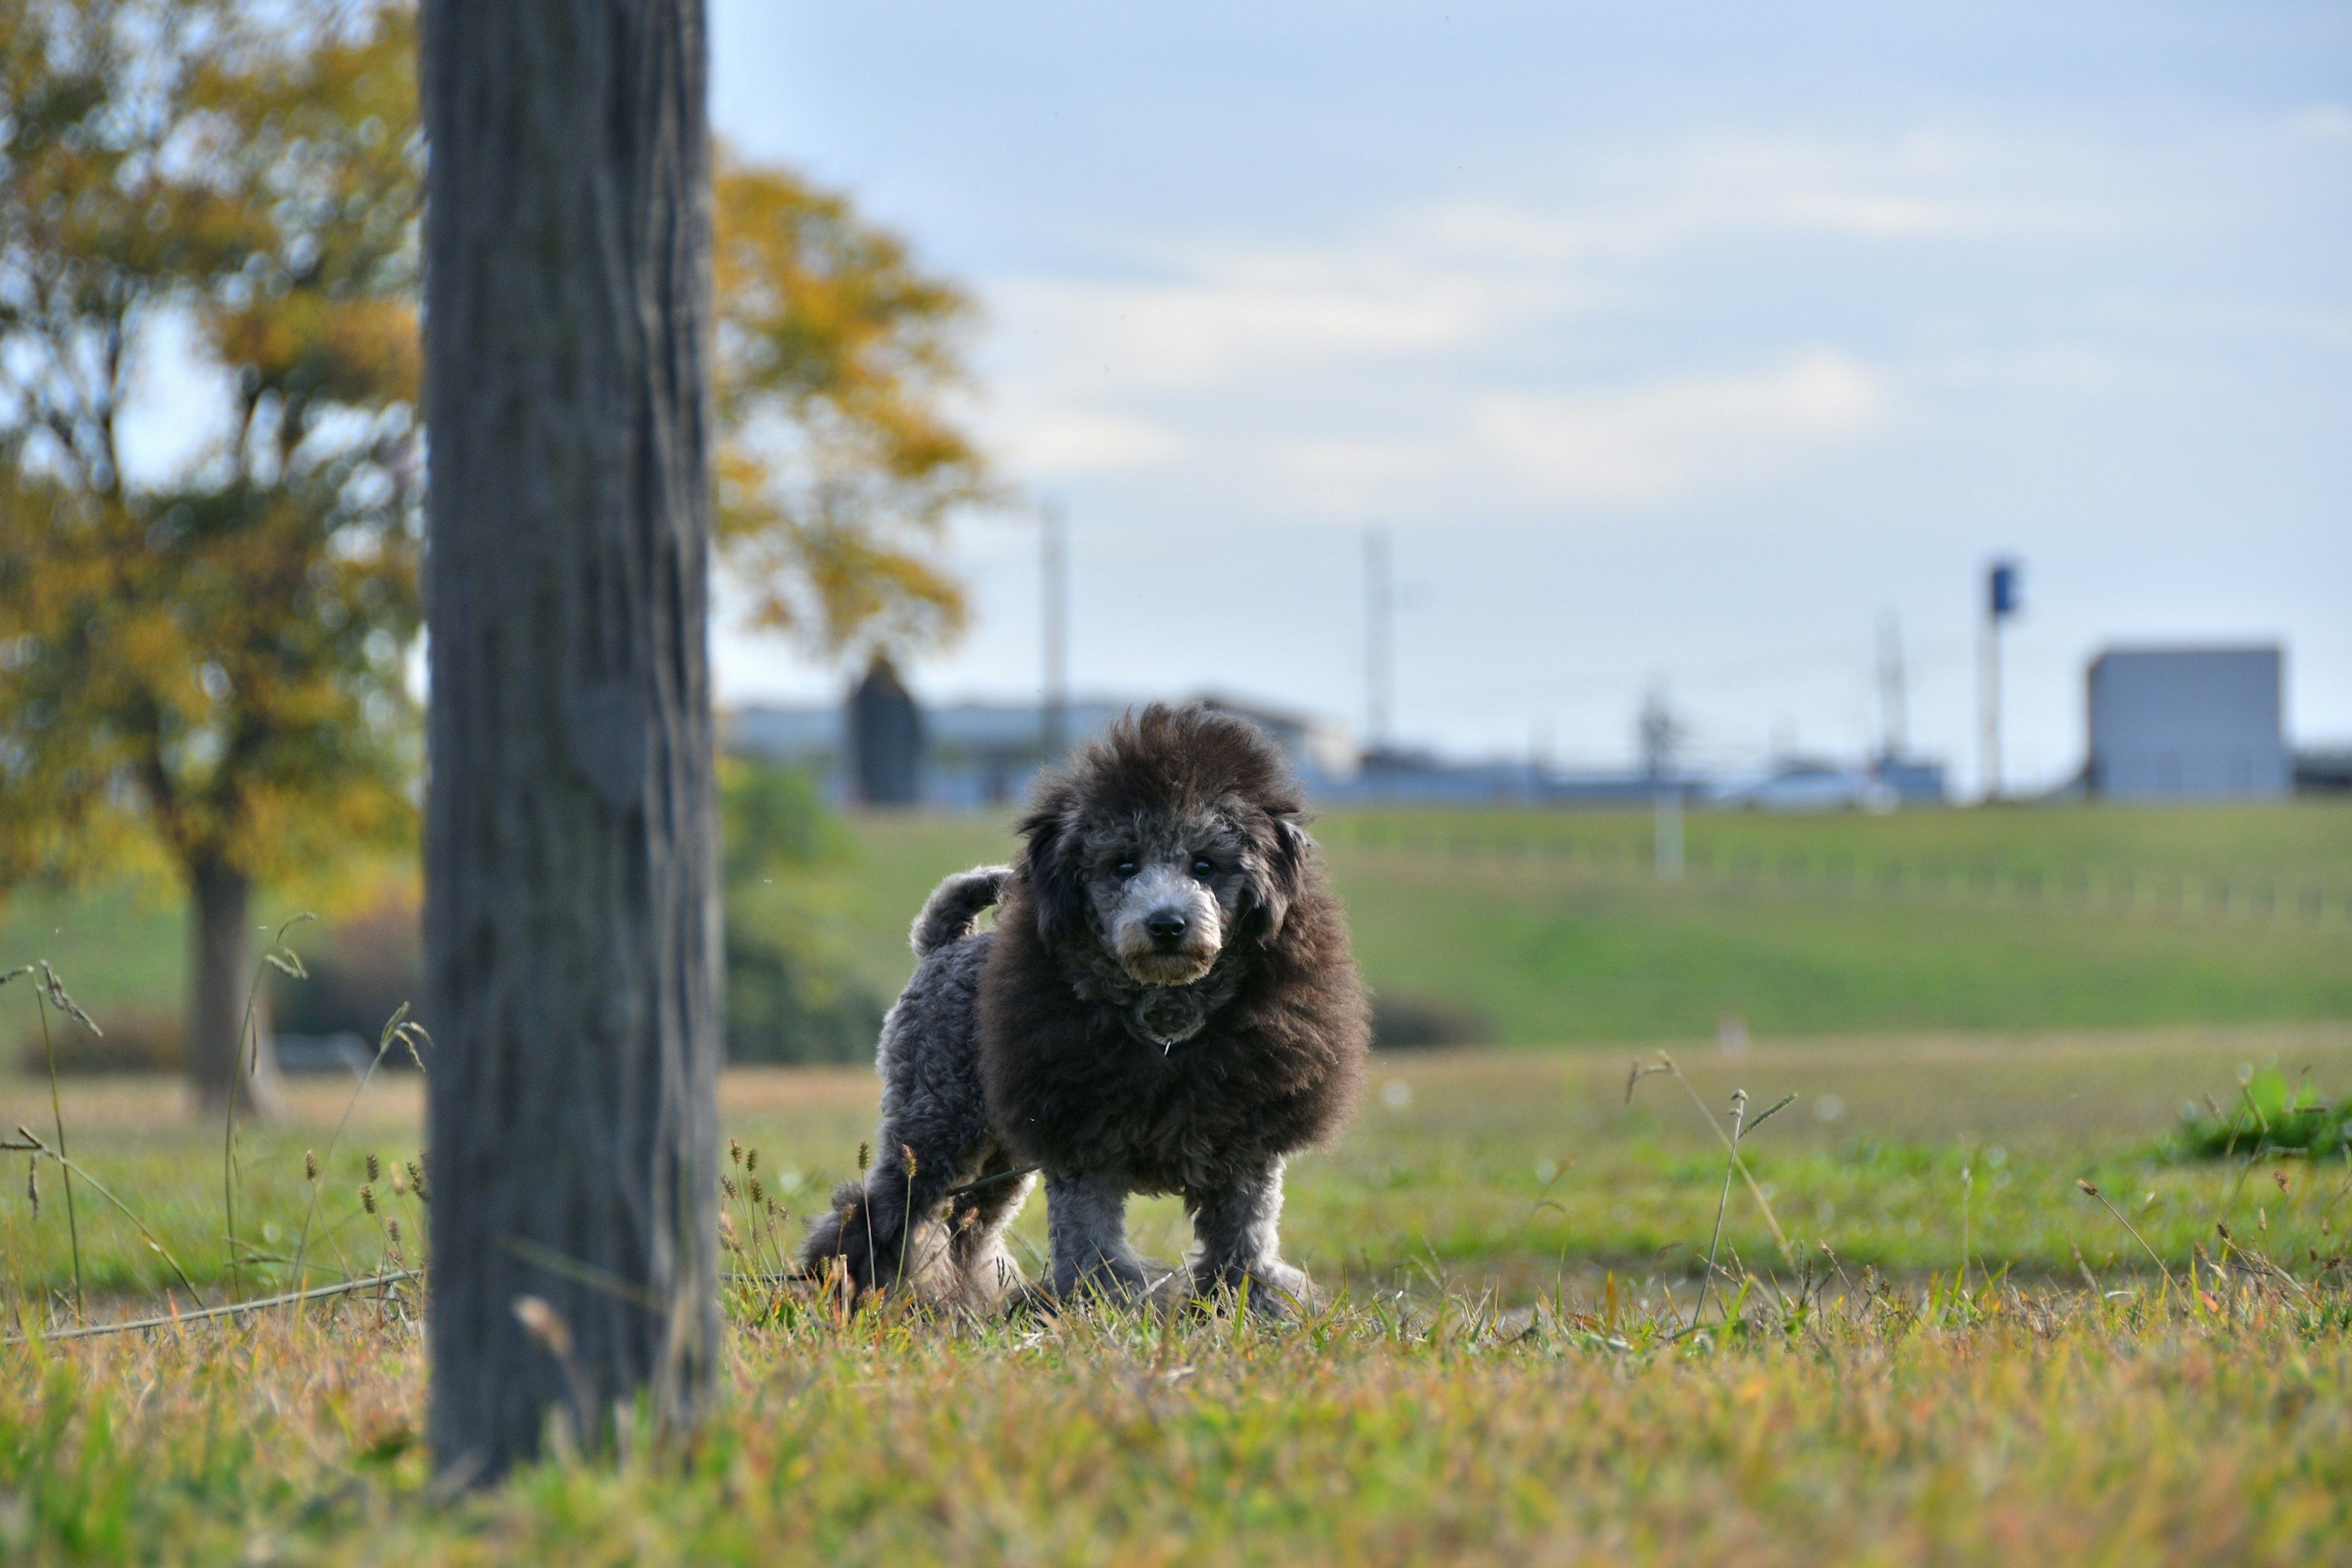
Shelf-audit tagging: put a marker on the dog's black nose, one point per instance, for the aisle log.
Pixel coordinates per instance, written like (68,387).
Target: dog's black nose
(1166,926)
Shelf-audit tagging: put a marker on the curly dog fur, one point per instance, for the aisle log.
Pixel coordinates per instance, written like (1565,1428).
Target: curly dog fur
(1165,1004)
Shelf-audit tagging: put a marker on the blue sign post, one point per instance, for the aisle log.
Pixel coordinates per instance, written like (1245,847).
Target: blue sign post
(2004,597)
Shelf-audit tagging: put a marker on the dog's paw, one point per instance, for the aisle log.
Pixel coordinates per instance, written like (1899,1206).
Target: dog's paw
(1031,1299)
(1119,1283)
(1274,1291)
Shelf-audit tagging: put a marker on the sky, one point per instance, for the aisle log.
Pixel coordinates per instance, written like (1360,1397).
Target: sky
(1674,346)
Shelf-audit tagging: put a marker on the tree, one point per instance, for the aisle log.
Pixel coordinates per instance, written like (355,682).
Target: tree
(793,994)
(571,915)
(837,359)
(206,660)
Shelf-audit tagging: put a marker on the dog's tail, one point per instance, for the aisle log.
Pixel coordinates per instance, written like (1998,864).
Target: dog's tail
(949,913)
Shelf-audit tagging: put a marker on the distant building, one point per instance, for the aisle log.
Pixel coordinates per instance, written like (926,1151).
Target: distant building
(1394,775)
(2187,723)
(2323,770)
(968,756)
(964,755)
(1915,780)
(1322,751)
(972,754)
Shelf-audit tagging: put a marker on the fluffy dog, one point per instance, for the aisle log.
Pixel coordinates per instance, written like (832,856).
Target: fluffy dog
(1165,1004)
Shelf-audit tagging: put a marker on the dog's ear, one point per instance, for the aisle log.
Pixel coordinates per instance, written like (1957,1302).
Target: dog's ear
(1056,881)
(1282,849)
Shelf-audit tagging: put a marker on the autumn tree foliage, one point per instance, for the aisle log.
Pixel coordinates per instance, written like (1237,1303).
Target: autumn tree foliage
(207,660)
(838,364)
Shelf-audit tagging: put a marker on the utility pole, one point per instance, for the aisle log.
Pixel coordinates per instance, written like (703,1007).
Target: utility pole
(1054,598)
(2002,599)
(1380,634)
(1661,735)
(1894,738)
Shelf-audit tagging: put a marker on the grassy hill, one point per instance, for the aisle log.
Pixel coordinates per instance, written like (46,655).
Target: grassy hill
(1554,926)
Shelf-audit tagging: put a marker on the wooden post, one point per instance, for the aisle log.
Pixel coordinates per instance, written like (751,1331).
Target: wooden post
(571,914)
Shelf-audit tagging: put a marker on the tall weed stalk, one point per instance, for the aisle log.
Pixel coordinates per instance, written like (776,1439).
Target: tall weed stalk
(51,993)
(249,1049)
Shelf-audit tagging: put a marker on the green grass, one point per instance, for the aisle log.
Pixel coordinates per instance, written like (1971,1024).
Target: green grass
(1863,1430)
(1498,1168)
(1553,927)
(123,945)
(1513,1249)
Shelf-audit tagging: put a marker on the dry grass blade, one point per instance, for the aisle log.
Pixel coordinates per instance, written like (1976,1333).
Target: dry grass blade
(128,1213)
(2127,1226)
(586,1274)
(2261,1266)
(248,1058)
(54,989)
(229,1310)
(1638,1072)
(1738,1114)
(53,994)
(543,1324)
(973,1186)
(395,1028)
(1771,1221)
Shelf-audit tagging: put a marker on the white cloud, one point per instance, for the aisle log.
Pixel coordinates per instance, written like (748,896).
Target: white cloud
(1509,350)
(1347,477)
(1224,354)
(2325,122)
(1056,442)
(1219,319)
(2242,321)
(1666,438)
(1641,207)
(1647,443)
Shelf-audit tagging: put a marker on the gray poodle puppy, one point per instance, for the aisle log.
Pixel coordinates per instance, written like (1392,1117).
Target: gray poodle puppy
(1165,1004)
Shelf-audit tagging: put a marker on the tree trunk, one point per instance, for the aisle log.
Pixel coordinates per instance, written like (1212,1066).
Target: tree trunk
(221,1058)
(571,914)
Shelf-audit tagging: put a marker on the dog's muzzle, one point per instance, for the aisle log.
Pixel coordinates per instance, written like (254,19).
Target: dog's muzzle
(1169,934)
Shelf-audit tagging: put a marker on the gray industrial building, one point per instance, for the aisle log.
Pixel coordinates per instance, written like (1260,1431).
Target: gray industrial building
(2185,723)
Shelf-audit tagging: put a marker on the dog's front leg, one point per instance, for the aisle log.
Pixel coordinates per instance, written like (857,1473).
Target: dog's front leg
(1085,1224)
(1236,1226)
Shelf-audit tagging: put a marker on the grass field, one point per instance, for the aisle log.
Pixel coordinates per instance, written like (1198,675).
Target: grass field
(1863,1429)
(1495,1167)
(1472,1392)
(1553,927)
(1556,928)
(1939,1348)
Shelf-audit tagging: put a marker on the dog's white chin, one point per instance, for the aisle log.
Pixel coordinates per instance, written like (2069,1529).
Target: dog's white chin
(1155,968)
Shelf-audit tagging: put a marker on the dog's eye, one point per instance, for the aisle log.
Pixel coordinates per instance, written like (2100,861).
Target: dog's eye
(1126,868)
(1204,868)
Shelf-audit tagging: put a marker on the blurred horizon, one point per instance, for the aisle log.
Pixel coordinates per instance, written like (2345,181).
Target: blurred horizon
(1673,349)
